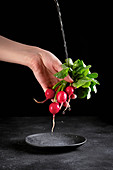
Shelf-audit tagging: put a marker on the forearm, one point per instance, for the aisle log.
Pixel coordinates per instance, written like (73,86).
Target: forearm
(14,52)
(43,63)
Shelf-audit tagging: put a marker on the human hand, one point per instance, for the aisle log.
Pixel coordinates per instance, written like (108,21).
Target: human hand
(44,65)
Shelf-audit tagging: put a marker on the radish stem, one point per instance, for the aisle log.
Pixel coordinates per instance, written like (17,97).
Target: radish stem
(61,105)
(57,84)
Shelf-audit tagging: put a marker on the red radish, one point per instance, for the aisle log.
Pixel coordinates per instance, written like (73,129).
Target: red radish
(69,90)
(54,108)
(49,94)
(61,96)
(73,96)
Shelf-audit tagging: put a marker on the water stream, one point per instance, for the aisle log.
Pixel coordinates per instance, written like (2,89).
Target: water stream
(62,29)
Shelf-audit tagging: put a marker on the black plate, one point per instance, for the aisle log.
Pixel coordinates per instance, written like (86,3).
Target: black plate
(55,140)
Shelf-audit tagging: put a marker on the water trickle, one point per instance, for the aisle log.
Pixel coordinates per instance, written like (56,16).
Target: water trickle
(62,29)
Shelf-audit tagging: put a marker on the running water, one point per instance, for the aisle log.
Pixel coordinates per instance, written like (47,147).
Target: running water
(62,29)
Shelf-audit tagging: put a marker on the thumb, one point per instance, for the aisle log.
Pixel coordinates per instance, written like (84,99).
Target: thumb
(58,67)
(68,79)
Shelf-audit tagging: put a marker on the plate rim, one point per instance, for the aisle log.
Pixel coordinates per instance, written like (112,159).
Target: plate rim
(60,146)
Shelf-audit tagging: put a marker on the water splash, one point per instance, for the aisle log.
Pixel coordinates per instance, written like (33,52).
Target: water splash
(62,29)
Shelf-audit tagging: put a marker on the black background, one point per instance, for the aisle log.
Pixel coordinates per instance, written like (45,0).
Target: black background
(86,28)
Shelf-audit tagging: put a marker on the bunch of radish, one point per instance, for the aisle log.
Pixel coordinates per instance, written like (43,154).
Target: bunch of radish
(62,92)
(60,97)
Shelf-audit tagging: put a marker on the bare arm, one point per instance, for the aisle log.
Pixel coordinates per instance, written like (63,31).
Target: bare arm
(43,63)
(14,52)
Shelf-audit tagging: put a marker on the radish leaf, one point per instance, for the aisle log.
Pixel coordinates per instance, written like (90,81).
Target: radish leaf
(93,75)
(62,74)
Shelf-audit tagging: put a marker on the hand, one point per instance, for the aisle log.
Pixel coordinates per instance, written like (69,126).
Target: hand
(44,65)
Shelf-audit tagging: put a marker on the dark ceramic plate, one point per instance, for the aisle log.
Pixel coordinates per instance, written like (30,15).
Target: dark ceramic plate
(55,140)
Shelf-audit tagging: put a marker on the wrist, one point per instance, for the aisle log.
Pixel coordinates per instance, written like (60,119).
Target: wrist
(14,52)
(33,58)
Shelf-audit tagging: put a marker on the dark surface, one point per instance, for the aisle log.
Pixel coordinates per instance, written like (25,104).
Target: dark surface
(96,154)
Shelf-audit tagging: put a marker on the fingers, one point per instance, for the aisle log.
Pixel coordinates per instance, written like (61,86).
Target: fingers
(57,65)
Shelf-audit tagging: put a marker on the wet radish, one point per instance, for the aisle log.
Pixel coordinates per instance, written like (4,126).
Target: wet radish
(54,108)
(61,96)
(69,90)
(49,94)
(73,96)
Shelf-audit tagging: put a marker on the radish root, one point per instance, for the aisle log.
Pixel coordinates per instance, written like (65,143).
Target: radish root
(67,107)
(53,123)
(38,101)
(61,105)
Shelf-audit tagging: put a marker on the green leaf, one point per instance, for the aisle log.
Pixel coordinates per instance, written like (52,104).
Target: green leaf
(86,71)
(75,72)
(86,85)
(81,82)
(92,75)
(92,84)
(64,65)
(83,69)
(93,87)
(76,64)
(94,81)
(69,61)
(62,74)
(81,63)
